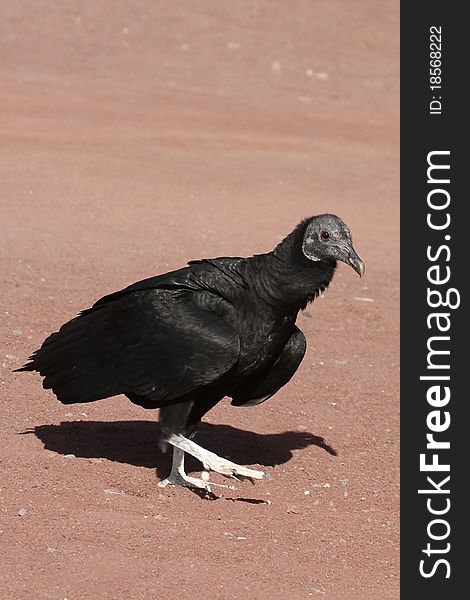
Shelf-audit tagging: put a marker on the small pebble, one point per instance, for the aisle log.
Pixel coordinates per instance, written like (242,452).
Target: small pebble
(17,332)
(22,512)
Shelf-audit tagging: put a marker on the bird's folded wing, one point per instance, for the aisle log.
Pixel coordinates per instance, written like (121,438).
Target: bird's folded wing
(159,338)
(165,343)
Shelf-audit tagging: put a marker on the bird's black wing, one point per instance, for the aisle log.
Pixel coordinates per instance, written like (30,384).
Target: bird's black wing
(159,339)
(166,343)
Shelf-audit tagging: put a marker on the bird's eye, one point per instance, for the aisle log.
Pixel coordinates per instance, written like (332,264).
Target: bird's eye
(324,235)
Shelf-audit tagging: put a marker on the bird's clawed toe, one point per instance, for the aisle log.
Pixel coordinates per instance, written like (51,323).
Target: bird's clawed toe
(192,482)
(234,471)
(240,477)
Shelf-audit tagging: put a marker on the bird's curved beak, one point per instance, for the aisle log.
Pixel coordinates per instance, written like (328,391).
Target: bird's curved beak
(356,263)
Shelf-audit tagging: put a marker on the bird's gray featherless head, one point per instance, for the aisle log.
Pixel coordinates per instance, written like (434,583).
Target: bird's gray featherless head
(327,238)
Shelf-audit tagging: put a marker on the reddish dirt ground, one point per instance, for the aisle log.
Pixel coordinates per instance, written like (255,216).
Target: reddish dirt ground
(138,135)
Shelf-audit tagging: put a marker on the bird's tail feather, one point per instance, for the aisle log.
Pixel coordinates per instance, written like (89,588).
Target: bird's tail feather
(74,361)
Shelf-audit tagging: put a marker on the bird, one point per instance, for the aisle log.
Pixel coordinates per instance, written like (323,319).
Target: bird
(184,340)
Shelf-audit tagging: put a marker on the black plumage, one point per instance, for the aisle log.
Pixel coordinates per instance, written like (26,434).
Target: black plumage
(183,340)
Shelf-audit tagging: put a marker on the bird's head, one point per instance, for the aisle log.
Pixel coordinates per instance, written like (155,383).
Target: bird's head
(327,238)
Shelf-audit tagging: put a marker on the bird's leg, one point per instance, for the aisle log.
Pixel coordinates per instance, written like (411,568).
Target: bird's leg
(179,477)
(213,462)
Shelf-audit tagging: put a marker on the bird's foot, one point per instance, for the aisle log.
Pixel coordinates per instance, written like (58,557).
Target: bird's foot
(213,462)
(192,482)
(230,469)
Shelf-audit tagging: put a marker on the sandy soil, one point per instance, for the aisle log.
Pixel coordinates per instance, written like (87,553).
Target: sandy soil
(138,135)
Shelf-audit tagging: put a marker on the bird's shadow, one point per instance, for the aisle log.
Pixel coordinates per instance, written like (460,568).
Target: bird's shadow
(136,443)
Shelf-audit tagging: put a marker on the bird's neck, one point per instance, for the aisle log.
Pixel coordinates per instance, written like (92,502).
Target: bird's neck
(285,279)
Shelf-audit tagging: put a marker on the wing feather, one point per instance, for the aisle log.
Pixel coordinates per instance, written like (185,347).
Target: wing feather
(156,343)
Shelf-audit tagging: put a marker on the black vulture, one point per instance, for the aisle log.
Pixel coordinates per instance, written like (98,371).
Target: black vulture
(184,340)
